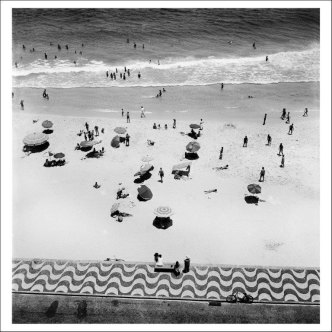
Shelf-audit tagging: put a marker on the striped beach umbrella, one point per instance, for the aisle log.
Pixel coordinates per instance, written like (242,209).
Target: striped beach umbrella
(163,211)
(47,124)
(254,188)
(35,139)
(193,147)
(120,130)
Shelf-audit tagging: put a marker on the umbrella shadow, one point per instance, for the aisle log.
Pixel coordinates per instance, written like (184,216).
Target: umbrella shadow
(162,223)
(85,149)
(251,199)
(37,148)
(51,311)
(48,131)
(143,177)
(194,136)
(191,155)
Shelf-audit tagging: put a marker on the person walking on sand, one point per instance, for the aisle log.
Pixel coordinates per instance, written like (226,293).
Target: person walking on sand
(269,140)
(264,119)
(128,117)
(127,139)
(142,112)
(282,161)
(288,117)
(174,123)
(22,104)
(283,115)
(221,152)
(161,174)
(281,149)
(245,141)
(97,130)
(305,112)
(291,129)
(87,126)
(262,175)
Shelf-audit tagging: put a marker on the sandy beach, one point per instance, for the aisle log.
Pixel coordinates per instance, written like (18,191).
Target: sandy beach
(58,214)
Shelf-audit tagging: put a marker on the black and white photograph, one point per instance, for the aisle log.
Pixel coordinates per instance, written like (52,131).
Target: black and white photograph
(169,163)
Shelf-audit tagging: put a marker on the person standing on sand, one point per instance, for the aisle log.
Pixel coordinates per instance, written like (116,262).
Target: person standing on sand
(221,152)
(281,149)
(305,112)
(22,104)
(174,123)
(87,126)
(288,117)
(161,174)
(142,112)
(127,139)
(283,115)
(254,45)
(122,112)
(262,175)
(282,161)
(97,130)
(264,119)
(128,117)
(269,139)
(85,137)
(106,73)
(267,58)
(291,129)
(245,141)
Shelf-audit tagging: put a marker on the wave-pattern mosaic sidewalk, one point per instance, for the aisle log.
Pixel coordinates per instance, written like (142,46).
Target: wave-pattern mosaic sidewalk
(202,282)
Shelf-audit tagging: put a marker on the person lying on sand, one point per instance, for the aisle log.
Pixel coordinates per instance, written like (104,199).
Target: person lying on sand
(210,191)
(220,168)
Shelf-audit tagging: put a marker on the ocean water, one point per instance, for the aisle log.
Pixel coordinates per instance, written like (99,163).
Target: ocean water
(181,46)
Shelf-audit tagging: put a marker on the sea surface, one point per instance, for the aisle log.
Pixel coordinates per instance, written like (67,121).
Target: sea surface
(181,46)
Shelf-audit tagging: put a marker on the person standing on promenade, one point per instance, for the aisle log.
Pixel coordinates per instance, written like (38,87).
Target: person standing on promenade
(262,175)
(269,139)
(186,265)
(281,149)
(291,129)
(264,119)
(305,112)
(282,161)
(245,141)
(221,152)
(128,117)
(161,174)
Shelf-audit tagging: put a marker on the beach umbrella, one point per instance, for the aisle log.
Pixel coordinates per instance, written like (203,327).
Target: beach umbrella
(162,223)
(35,139)
(59,155)
(144,193)
(47,124)
(85,144)
(163,211)
(147,158)
(193,147)
(115,143)
(254,188)
(120,130)
(195,126)
(180,166)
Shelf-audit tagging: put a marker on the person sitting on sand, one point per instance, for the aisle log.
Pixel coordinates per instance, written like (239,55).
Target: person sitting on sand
(96,185)
(47,163)
(154,126)
(78,147)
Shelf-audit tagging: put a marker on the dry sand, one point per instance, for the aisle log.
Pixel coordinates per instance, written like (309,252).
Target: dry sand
(58,214)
